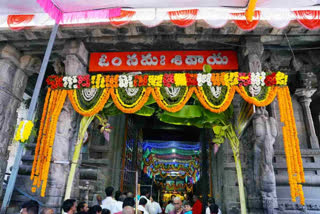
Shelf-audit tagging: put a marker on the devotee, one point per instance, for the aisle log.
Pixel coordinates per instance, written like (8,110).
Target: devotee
(130,195)
(96,209)
(118,207)
(142,205)
(128,210)
(47,211)
(187,207)
(106,211)
(109,203)
(178,209)
(170,206)
(30,207)
(212,207)
(82,208)
(69,206)
(197,206)
(154,207)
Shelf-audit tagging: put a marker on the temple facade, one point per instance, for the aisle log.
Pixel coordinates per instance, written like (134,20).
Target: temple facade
(293,50)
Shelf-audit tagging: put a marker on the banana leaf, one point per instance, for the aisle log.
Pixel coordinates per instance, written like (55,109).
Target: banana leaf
(146,111)
(188,111)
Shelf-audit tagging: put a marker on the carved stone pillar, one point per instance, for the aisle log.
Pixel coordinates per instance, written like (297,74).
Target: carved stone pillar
(251,55)
(76,57)
(305,95)
(14,72)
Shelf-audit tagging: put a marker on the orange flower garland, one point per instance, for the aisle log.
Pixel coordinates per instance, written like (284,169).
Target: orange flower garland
(271,94)
(215,109)
(291,145)
(72,94)
(132,108)
(159,99)
(41,164)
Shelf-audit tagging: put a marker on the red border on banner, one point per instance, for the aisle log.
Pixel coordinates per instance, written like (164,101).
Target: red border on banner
(162,61)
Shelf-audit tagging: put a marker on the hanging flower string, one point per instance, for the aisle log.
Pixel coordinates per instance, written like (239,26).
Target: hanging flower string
(40,169)
(291,145)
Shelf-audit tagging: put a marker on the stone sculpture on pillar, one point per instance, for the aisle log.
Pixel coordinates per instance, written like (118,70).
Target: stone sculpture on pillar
(265,130)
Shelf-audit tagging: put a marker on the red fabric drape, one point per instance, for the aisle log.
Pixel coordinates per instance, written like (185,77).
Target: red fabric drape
(13,20)
(124,18)
(308,18)
(183,18)
(246,25)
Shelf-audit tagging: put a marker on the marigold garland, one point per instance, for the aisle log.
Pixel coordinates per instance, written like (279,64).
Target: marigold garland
(171,108)
(291,145)
(210,106)
(272,92)
(72,94)
(53,105)
(133,108)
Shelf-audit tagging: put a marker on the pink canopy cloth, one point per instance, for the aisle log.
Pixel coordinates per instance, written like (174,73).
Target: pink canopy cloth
(66,10)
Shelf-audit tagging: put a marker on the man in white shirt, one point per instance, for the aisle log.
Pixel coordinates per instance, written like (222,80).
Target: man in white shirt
(142,205)
(154,207)
(170,206)
(109,203)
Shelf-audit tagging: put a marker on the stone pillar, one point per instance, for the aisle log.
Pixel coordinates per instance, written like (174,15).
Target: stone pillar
(305,95)
(76,58)
(14,72)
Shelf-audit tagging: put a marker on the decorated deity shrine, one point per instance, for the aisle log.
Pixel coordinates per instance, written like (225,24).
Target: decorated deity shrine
(215,99)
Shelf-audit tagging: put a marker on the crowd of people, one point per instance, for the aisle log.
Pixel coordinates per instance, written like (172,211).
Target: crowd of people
(125,203)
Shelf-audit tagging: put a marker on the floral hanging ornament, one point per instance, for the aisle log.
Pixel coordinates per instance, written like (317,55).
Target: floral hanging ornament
(24,131)
(105,127)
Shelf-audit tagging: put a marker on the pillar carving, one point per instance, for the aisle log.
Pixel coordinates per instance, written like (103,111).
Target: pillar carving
(14,73)
(75,63)
(305,95)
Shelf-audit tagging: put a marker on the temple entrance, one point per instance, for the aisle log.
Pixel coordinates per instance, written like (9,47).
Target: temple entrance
(167,158)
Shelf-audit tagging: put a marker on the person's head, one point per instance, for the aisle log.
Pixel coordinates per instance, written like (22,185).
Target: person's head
(187,206)
(143,202)
(177,203)
(96,209)
(82,207)
(117,195)
(128,202)
(122,197)
(30,207)
(47,211)
(195,198)
(172,197)
(153,197)
(145,193)
(128,210)
(130,195)
(69,205)
(211,201)
(105,211)
(109,191)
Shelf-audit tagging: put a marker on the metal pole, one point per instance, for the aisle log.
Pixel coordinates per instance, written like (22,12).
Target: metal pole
(137,202)
(34,99)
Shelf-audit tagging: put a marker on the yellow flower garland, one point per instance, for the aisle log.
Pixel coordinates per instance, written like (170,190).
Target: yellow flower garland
(72,94)
(24,131)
